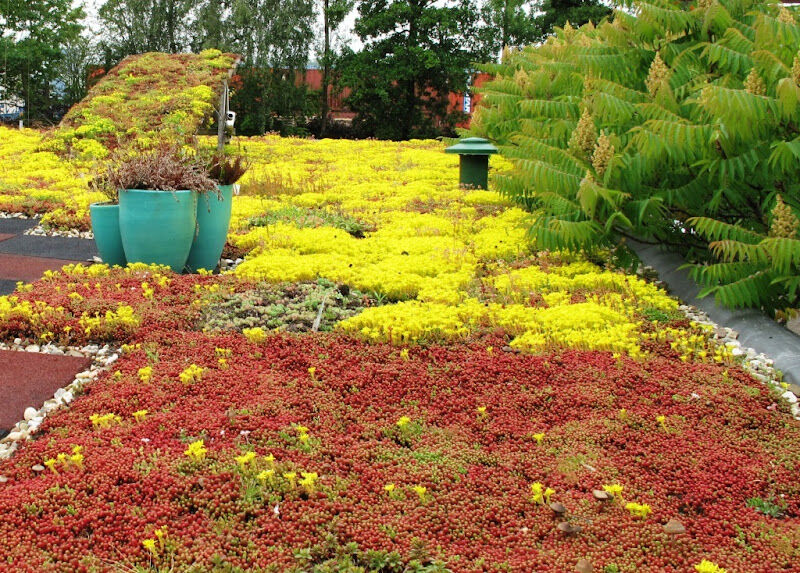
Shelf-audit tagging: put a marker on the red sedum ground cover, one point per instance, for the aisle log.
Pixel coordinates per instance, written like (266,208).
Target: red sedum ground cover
(478,427)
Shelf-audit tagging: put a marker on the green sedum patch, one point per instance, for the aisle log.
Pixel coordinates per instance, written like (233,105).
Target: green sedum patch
(285,306)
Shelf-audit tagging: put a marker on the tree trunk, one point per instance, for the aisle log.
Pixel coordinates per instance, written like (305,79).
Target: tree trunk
(171,26)
(505,23)
(410,94)
(326,65)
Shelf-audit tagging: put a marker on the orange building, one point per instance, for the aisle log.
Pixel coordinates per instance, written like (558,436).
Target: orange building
(340,112)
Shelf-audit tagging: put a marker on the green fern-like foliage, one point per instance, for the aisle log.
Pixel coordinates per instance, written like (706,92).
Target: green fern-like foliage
(699,104)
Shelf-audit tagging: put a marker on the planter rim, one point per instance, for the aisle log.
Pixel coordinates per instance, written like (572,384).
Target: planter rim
(104,204)
(159,190)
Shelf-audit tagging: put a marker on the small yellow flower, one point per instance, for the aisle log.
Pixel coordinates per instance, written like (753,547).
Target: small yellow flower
(147,290)
(709,567)
(223,363)
(245,459)
(303,438)
(196,450)
(145,374)
(623,415)
(481,411)
(662,420)
(77,460)
(388,488)
(639,510)
(404,354)
(403,422)
(265,475)
(489,350)
(193,373)
(547,493)
(291,477)
(785,385)
(421,491)
(311,371)
(150,545)
(270,459)
(255,335)
(537,492)
(161,533)
(309,481)
(614,490)
(50,463)
(139,415)
(77,449)
(538,437)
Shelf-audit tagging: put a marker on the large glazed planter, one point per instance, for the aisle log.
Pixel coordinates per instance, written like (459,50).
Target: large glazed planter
(105,226)
(157,227)
(213,219)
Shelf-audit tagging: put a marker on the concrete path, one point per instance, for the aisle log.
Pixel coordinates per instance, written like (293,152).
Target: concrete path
(755,329)
(30,378)
(26,257)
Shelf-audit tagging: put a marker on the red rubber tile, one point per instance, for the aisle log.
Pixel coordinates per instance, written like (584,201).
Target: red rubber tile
(20,268)
(30,378)
(4,236)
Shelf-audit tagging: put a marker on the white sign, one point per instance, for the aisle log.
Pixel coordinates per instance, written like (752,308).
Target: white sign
(467,103)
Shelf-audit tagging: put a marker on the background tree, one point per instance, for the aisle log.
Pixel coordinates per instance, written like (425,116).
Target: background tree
(415,53)
(209,29)
(333,14)
(274,39)
(34,36)
(74,68)
(556,13)
(508,23)
(136,26)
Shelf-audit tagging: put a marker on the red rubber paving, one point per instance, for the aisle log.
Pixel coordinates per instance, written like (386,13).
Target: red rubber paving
(4,236)
(30,378)
(29,269)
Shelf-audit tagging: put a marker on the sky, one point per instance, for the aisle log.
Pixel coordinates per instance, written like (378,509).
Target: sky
(93,25)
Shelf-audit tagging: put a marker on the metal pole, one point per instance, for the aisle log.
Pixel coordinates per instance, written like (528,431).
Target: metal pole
(222,117)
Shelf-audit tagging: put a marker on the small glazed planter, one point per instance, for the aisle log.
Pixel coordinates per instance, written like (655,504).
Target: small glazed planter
(105,227)
(213,220)
(157,227)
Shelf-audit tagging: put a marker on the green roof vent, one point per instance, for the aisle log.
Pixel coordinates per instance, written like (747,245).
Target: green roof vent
(472,146)
(474,155)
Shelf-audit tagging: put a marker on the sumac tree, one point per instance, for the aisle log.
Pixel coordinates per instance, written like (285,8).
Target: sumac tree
(675,122)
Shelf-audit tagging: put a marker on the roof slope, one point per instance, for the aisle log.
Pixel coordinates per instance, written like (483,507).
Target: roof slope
(146,97)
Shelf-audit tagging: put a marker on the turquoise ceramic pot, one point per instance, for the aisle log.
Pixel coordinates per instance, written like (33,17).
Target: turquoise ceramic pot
(157,227)
(213,220)
(105,226)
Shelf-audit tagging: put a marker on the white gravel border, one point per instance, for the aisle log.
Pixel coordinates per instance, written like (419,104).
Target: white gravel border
(5,215)
(39,231)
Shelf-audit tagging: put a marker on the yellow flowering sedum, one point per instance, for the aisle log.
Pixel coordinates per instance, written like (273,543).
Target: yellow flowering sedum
(453,262)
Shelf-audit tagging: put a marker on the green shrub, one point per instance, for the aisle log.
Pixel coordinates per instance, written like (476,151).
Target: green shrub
(673,122)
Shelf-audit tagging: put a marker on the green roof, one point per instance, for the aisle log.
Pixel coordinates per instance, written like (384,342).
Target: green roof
(147,98)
